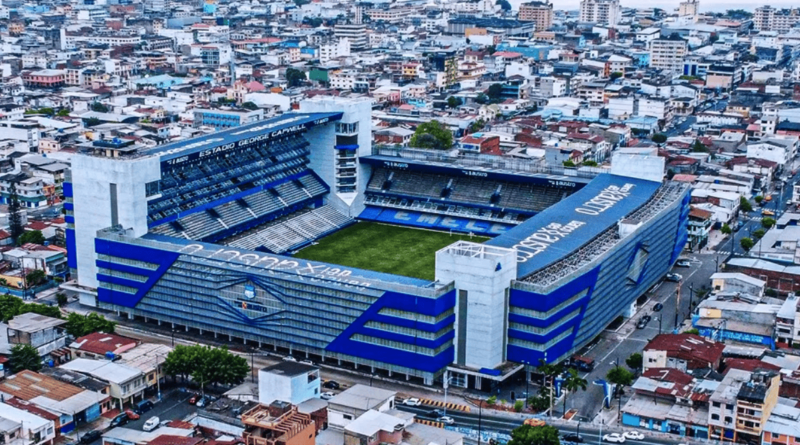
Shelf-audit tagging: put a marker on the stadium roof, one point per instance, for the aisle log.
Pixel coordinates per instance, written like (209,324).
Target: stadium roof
(269,128)
(561,229)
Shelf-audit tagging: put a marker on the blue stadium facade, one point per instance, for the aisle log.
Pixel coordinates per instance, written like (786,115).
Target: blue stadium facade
(199,234)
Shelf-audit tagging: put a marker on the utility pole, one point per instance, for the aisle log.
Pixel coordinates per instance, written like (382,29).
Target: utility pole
(527,383)
(252,367)
(678,303)
(691,296)
(480,417)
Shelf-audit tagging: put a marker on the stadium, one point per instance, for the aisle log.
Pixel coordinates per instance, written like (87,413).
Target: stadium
(295,235)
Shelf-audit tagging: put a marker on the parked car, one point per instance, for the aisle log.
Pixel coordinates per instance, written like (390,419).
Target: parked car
(767,213)
(120,420)
(572,437)
(674,277)
(91,436)
(193,399)
(658,307)
(738,226)
(327,395)
(447,420)
(289,358)
(683,263)
(633,435)
(435,413)
(201,402)
(131,415)
(307,362)
(412,401)
(331,384)
(583,364)
(143,407)
(614,437)
(151,424)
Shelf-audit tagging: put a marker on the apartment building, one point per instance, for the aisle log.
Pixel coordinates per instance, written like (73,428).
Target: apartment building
(541,13)
(688,8)
(602,12)
(356,33)
(767,18)
(44,79)
(667,53)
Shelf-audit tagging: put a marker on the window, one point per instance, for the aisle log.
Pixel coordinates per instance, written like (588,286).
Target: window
(729,406)
(716,404)
(347,417)
(715,417)
(728,419)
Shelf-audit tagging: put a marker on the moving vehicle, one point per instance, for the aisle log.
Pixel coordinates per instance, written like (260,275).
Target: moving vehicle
(151,424)
(327,395)
(581,363)
(331,384)
(131,415)
(91,436)
(143,407)
(435,413)
(658,307)
(643,322)
(120,420)
(767,213)
(633,435)
(683,263)
(534,422)
(614,437)
(738,226)
(572,437)
(289,358)
(447,420)
(412,401)
(673,277)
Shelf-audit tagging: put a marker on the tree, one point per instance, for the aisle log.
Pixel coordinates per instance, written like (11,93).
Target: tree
(670,174)
(518,405)
(495,92)
(31,236)
(79,325)
(295,77)
(482,98)
(35,278)
(635,361)
(747,244)
(698,147)
(538,403)
(615,75)
(534,435)
(572,384)
(25,357)
(745,205)
(206,365)
(759,233)
(61,299)
(477,126)
(504,5)
(432,135)
(568,163)
(249,106)
(726,229)
(620,376)
(589,163)
(62,112)
(98,107)
(692,331)
(14,210)
(181,361)
(758,199)
(453,101)
(659,138)
(767,223)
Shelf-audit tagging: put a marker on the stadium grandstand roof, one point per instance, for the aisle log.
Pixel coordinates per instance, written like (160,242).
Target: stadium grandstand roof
(269,128)
(562,229)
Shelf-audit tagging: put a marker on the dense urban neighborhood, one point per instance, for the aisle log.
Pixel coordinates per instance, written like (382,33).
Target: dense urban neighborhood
(399,222)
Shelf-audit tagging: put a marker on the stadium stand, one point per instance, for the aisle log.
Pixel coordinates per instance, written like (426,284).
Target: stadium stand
(464,191)
(292,232)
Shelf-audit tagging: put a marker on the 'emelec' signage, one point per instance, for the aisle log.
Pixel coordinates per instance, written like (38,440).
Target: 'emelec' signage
(546,236)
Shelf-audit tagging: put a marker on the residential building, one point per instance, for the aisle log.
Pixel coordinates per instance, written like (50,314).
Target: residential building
(287,381)
(781,427)
(22,427)
(767,18)
(46,334)
(541,13)
(101,346)
(126,383)
(700,223)
(667,53)
(684,352)
(355,401)
(279,423)
(688,8)
(49,79)
(355,33)
(603,12)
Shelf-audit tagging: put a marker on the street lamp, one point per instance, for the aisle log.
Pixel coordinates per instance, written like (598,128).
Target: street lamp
(447,379)
(691,295)
(527,384)
(173,337)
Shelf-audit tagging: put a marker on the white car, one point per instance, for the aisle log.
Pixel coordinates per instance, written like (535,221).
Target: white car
(327,395)
(447,420)
(633,435)
(289,358)
(151,424)
(413,401)
(614,437)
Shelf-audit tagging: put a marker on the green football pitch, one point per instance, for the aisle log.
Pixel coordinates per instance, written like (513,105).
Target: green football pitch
(384,248)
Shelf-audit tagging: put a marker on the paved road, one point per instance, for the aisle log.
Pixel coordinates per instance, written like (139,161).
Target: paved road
(474,420)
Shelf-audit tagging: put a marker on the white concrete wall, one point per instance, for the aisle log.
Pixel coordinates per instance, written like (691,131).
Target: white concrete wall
(323,154)
(91,179)
(650,168)
(487,308)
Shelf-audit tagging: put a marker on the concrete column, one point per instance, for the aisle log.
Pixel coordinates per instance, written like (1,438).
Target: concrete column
(339,361)
(187,328)
(173,325)
(408,377)
(259,344)
(244,340)
(130,315)
(230,337)
(306,353)
(631,311)
(159,322)
(275,347)
(390,372)
(215,334)
(201,331)
(145,319)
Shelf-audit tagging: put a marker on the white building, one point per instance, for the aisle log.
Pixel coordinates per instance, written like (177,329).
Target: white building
(330,51)
(667,53)
(20,424)
(604,12)
(126,383)
(288,381)
(353,402)
(774,149)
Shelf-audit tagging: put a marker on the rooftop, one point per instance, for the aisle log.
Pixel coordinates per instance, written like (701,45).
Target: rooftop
(31,322)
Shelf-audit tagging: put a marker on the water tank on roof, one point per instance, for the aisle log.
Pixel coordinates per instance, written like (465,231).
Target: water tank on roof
(110,355)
